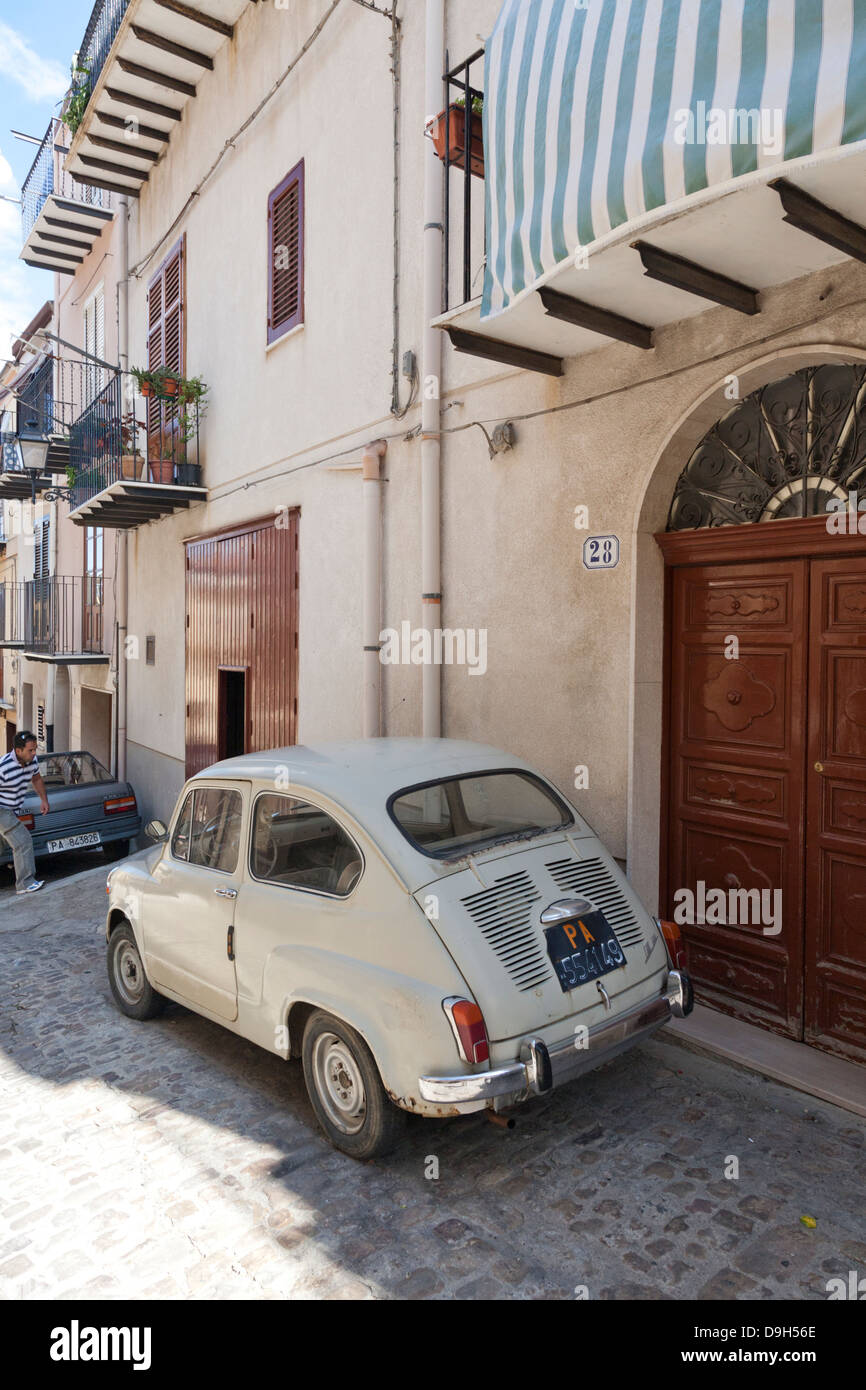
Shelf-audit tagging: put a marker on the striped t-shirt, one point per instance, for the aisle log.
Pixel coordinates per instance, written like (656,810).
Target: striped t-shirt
(15,780)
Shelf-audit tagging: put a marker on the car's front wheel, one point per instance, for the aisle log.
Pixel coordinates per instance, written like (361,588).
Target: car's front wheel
(346,1091)
(133,992)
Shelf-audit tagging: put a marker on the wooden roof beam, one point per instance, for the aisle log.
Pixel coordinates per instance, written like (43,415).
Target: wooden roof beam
(177,50)
(818,220)
(111,168)
(130,147)
(159,79)
(91,182)
(208,21)
(143,103)
(149,132)
(495,351)
(610,325)
(696,279)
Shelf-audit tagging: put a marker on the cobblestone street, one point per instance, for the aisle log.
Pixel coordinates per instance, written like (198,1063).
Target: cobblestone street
(171,1159)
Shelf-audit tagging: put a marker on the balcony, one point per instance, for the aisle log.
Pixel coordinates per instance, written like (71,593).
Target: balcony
(57,619)
(613,213)
(139,62)
(48,397)
(61,218)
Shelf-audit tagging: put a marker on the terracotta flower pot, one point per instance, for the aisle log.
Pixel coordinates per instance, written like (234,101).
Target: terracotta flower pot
(147,388)
(131,466)
(439,131)
(170,386)
(161,470)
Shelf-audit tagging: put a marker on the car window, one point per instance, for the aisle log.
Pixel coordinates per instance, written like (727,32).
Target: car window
(208,831)
(459,814)
(72,770)
(301,846)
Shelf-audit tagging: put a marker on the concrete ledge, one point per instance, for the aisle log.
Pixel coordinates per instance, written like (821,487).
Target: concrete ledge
(805,1068)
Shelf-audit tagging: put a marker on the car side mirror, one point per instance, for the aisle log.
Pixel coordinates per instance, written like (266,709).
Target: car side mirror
(155,830)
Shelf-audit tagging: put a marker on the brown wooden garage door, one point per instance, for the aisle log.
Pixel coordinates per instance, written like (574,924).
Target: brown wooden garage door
(767,785)
(242,641)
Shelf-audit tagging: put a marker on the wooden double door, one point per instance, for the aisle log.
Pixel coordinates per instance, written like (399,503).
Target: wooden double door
(766,786)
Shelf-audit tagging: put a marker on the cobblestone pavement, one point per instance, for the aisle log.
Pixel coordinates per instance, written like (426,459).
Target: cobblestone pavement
(172,1159)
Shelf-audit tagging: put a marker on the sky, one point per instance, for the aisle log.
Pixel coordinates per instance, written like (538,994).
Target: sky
(37,41)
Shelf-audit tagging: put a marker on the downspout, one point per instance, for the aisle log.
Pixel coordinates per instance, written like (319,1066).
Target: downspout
(51,681)
(122,597)
(372,500)
(431,521)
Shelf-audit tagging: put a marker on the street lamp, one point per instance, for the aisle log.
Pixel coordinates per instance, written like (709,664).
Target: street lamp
(33,447)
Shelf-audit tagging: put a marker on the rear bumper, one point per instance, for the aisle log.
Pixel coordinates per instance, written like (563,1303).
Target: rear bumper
(108,830)
(541,1068)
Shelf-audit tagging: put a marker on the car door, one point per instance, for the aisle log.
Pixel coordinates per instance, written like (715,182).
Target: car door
(303,870)
(188,917)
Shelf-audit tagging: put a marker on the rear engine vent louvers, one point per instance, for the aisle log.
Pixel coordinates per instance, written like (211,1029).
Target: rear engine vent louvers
(591,879)
(503,916)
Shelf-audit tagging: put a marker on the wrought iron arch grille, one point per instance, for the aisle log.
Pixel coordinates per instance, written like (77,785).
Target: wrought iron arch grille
(784,451)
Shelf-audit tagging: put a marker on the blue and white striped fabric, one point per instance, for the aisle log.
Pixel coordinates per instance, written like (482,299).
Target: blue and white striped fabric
(596,112)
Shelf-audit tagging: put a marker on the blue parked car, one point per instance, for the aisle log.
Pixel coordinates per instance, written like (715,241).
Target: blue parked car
(89,808)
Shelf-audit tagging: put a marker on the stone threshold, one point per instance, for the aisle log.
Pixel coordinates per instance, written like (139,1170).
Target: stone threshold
(804,1068)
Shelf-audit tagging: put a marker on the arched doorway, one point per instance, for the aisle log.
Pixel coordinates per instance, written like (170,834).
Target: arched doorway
(763,836)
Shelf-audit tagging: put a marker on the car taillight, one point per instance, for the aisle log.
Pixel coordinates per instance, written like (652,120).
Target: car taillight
(117,804)
(470,1032)
(27,820)
(676,945)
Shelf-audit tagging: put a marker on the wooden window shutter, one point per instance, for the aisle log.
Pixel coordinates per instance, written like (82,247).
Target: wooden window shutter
(165,334)
(286,254)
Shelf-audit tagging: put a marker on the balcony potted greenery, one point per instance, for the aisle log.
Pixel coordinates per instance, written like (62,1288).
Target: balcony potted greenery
(77,97)
(192,407)
(167,451)
(131,461)
(452,122)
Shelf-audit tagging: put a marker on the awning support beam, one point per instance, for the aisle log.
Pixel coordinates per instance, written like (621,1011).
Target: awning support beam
(696,279)
(582,315)
(818,220)
(477,345)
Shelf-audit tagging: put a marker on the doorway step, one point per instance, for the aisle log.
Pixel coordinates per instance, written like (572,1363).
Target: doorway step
(795,1064)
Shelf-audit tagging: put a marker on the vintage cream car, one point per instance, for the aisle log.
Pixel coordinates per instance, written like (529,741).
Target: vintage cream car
(428,924)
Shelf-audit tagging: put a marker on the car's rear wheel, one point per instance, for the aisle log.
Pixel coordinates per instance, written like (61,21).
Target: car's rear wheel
(133,992)
(346,1091)
(116,849)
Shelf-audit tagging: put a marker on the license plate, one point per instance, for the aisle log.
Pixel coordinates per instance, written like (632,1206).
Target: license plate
(583,948)
(73,842)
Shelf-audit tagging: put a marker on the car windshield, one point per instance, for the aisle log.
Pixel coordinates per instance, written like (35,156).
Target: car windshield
(449,818)
(71,769)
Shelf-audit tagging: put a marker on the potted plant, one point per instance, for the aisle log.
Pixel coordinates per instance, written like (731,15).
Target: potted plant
(192,407)
(77,97)
(448,133)
(148,380)
(131,462)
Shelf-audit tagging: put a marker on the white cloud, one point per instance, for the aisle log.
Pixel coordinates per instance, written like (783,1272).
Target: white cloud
(42,79)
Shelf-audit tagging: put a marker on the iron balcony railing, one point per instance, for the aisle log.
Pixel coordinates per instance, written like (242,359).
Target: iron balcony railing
(48,176)
(465,230)
(102,27)
(36,399)
(105,444)
(61,615)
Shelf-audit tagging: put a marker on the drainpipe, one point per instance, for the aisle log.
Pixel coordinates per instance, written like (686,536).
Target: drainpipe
(431,521)
(51,681)
(371,463)
(122,536)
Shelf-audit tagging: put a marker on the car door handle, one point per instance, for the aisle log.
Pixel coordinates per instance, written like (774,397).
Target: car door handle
(226,892)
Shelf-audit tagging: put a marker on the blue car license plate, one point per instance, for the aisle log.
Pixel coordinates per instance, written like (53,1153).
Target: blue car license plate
(583,948)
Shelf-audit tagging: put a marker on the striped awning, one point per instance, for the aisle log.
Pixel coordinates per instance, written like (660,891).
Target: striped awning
(597,113)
